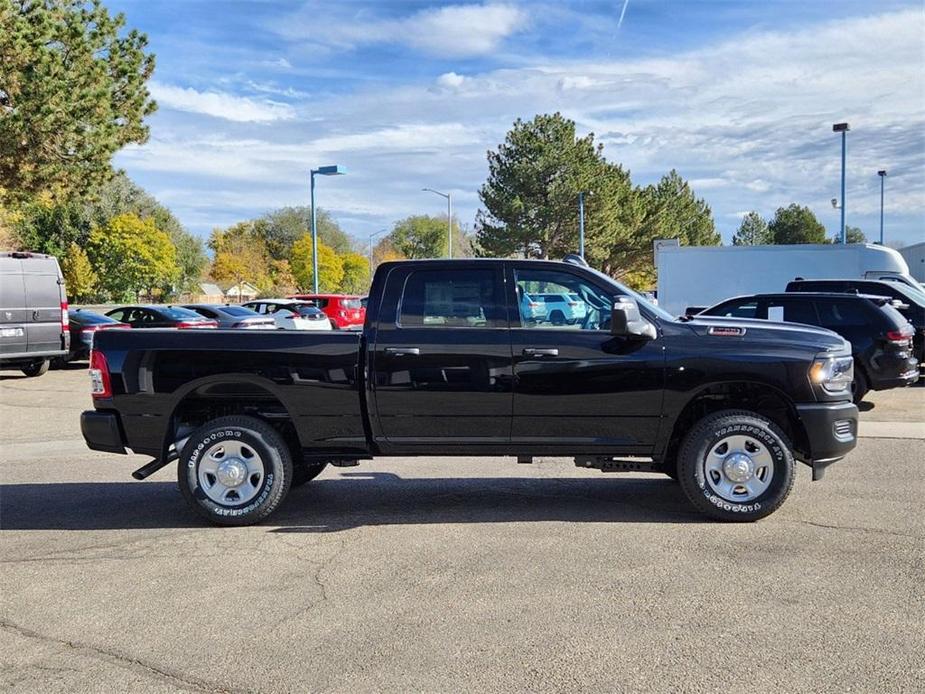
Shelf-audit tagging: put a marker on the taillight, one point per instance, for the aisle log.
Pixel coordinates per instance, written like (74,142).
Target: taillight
(100,385)
(64,316)
(184,325)
(898,336)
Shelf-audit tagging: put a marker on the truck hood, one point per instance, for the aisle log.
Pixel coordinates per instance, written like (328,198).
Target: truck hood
(758,330)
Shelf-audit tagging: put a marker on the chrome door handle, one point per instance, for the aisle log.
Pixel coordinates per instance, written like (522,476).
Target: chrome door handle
(402,351)
(534,352)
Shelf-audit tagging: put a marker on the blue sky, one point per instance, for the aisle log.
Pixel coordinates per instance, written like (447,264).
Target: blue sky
(738,96)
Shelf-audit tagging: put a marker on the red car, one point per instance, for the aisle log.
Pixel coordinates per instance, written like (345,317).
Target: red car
(347,312)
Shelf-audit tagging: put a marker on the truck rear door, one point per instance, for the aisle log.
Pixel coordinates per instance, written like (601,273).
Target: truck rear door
(441,357)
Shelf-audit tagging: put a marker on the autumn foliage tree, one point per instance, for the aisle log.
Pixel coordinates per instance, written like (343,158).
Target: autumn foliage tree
(330,266)
(131,255)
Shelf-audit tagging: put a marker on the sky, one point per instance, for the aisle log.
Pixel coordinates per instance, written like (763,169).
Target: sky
(739,97)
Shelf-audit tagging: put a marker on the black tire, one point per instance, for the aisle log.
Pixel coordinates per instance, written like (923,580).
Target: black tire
(708,433)
(557,318)
(261,439)
(306,472)
(859,386)
(37,368)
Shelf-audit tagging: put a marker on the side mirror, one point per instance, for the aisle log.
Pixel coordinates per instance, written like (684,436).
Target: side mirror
(626,321)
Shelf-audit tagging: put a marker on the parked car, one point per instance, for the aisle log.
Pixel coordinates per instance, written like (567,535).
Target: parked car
(912,300)
(880,337)
(161,317)
(34,325)
(346,311)
(238,317)
(83,325)
(563,308)
(532,309)
(723,405)
(288,314)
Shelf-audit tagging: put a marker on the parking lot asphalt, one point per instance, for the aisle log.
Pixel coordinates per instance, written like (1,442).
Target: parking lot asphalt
(458,574)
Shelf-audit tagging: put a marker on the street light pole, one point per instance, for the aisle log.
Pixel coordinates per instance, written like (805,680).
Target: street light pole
(882,175)
(371,237)
(449,219)
(842,128)
(581,223)
(323,171)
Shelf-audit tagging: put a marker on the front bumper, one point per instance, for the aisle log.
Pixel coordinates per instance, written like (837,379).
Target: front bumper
(831,431)
(101,431)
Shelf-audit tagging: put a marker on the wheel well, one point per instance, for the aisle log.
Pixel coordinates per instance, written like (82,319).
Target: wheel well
(222,399)
(754,397)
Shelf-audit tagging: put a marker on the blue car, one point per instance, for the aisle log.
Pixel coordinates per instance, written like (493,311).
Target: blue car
(532,309)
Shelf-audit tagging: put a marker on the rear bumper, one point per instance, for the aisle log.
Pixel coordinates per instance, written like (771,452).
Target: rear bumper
(831,430)
(101,431)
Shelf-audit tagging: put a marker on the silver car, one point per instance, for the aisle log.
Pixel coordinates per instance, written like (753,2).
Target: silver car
(238,317)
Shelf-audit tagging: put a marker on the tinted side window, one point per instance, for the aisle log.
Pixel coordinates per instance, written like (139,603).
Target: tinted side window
(743,309)
(453,299)
(800,312)
(560,300)
(118,314)
(841,314)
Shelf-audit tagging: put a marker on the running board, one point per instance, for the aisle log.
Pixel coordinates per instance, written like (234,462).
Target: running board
(610,464)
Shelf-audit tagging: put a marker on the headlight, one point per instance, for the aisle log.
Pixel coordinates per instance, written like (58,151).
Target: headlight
(834,374)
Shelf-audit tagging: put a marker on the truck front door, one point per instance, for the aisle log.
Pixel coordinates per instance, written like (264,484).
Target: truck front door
(440,363)
(576,386)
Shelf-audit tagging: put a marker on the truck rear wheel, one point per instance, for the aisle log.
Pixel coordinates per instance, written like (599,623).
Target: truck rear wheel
(235,470)
(736,466)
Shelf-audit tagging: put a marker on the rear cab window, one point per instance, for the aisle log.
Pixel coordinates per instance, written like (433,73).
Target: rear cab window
(464,298)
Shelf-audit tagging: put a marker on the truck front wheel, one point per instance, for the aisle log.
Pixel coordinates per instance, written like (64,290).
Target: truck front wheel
(235,470)
(736,466)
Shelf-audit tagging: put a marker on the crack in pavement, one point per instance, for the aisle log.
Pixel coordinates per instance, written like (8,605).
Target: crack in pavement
(316,578)
(135,664)
(875,531)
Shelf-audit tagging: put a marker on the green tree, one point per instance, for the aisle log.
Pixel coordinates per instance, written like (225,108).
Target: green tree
(51,227)
(356,273)
(422,236)
(852,235)
(72,93)
(80,280)
(753,231)
(132,255)
(283,227)
(677,213)
(330,266)
(531,195)
(796,224)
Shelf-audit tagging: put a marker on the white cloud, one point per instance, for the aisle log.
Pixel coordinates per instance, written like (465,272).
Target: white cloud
(452,31)
(451,80)
(748,121)
(220,104)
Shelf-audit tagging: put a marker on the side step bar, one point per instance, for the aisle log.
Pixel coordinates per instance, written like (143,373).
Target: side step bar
(611,464)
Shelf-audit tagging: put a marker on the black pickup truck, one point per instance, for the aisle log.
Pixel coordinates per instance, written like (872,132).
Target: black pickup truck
(455,358)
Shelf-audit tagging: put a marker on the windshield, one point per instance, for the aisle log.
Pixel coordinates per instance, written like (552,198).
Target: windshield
(644,303)
(238,311)
(90,318)
(176,313)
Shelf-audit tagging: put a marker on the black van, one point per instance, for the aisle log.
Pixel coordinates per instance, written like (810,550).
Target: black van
(912,300)
(33,312)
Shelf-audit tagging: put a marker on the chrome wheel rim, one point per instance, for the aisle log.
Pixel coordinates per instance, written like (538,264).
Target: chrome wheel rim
(230,473)
(738,468)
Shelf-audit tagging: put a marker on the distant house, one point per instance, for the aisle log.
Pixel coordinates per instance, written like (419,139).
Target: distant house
(206,293)
(241,292)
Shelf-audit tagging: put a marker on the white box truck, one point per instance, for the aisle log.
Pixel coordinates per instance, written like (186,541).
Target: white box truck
(705,275)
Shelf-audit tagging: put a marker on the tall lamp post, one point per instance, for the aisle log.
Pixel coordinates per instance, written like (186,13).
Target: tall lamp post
(842,128)
(371,237)
(321,171)
(581,221)
(882,175)
(449,219)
